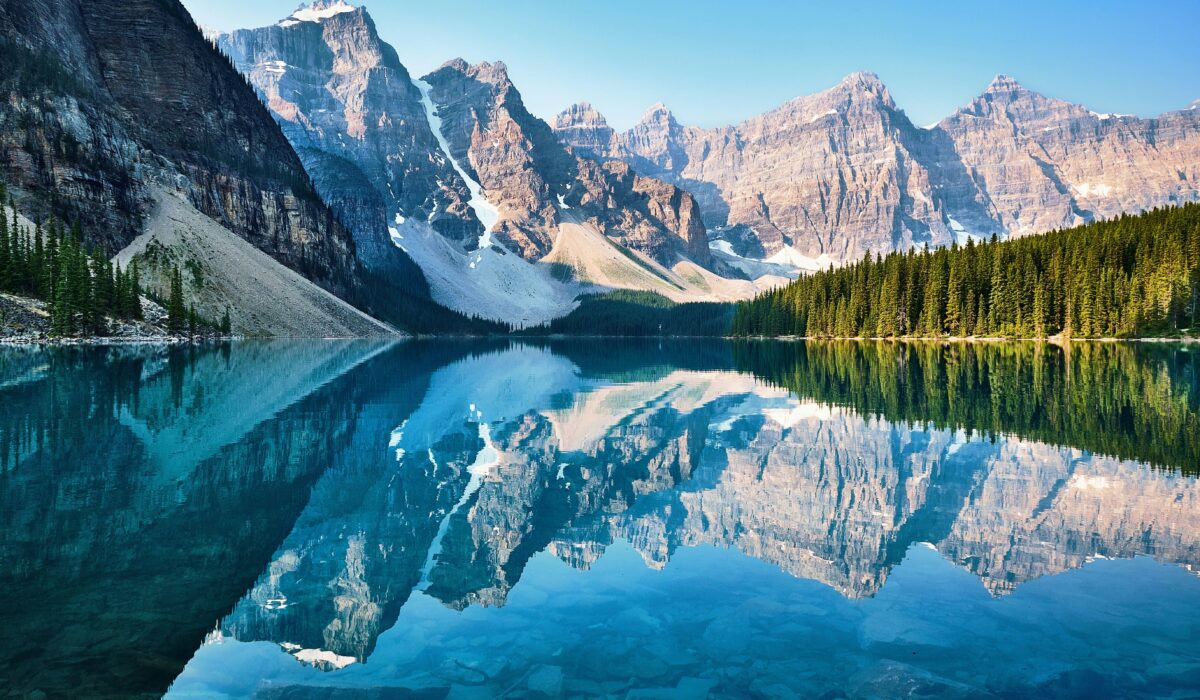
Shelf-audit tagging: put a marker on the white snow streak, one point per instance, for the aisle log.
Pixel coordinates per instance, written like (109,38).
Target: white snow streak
(484,210)
(790,256)
(310,14)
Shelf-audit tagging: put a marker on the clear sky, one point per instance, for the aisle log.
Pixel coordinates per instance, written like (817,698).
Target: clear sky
(716,62)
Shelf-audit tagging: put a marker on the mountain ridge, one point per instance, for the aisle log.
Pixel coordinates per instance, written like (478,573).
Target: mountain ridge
(844,171)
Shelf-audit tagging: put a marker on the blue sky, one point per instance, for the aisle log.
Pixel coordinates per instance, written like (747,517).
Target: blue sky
(718,62)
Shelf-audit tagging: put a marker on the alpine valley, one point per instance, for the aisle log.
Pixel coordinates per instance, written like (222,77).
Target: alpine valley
(512,219)
(309,185)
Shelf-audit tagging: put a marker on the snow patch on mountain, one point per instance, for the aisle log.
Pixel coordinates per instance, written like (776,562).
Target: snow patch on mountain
(489,283)
(1087,189)
(790,256)
(822,115)
(961,235)
(317,12)
(765,274)
(484,210)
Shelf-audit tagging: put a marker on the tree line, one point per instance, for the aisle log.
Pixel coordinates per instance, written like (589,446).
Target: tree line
(80,286)
(639,314)
(1135,275)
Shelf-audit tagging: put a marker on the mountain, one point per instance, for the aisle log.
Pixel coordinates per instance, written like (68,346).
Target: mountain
(503,219)
(828,177)
(121,116)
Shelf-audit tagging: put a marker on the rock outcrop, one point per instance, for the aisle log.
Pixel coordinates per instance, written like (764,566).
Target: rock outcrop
(351,109)
(845,172)
(107,100)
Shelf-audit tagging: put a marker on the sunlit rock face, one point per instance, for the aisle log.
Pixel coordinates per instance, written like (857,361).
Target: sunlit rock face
(844,171)
(1046,163)
(452,500)
(353,113)
(367,137)
(537,183)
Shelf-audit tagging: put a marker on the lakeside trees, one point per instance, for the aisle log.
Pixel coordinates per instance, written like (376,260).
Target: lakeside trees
(1131,276)
(81,286)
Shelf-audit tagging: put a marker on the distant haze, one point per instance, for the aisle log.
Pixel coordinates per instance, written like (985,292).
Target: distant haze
(717,63)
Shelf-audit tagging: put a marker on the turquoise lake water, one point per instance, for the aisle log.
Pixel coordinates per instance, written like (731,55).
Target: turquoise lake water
(345,520)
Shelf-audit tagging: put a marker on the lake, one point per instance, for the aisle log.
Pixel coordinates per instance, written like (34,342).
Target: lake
(600,518)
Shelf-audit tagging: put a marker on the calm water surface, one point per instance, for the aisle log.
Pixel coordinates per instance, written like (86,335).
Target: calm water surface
(345,520)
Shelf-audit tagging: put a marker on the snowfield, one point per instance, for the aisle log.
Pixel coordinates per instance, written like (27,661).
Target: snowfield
(489,282)
(315,14)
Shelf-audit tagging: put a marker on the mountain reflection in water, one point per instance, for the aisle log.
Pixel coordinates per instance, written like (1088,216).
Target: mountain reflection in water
(674,519)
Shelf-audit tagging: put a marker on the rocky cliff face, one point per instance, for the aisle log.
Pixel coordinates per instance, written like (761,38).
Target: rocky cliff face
(537,183)
(845,172)
(351,109)
(1042,163)
(109,97)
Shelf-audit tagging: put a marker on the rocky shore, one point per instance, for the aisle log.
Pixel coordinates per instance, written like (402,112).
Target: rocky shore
(25,321)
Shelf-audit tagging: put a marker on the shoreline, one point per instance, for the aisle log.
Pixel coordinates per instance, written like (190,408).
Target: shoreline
(99,341)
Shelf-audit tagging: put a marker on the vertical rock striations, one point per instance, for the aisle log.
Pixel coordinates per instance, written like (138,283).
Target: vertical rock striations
(110,96)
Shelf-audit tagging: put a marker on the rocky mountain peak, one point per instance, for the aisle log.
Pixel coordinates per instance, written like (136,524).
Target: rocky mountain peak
(581,115)
(1005,84)
(456,64)
(863,83)
(1005,98)
(485,71)
(586,129)
(864,79)
(658,113)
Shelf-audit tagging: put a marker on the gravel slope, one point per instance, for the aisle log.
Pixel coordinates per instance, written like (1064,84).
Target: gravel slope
(219,268)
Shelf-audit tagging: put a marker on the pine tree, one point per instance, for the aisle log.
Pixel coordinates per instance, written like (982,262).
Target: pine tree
(176,311)
(1135,275)
(134,299)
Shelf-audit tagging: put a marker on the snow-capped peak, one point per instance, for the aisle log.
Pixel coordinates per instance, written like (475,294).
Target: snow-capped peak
(317,11)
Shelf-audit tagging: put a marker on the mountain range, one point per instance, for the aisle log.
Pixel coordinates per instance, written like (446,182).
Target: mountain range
(121,117)
(505,220)
(829,177)
(352,197)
